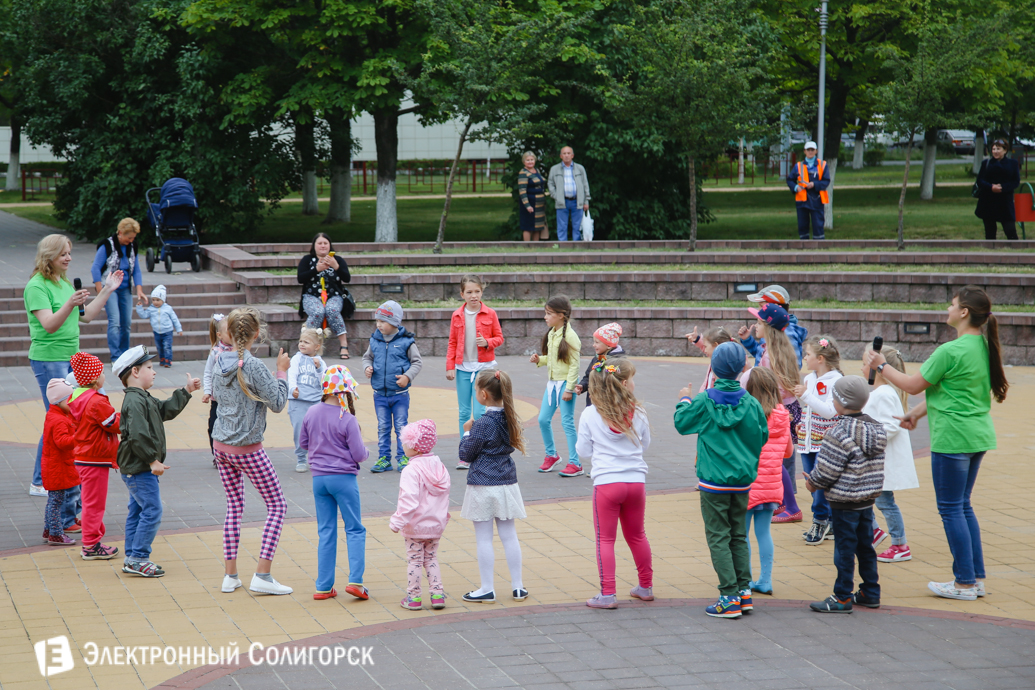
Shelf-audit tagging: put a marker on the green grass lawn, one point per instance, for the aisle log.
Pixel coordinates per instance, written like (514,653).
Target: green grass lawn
(845,175)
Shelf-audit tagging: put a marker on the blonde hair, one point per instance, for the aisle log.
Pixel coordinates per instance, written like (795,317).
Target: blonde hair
(245,325)
(615,403)
(129,225)
(763,387)
(498,386)
(213,330)
(313,335)
(528,154)
(782,359)
(894,359)
(830,353)
(717,336)
(47,250)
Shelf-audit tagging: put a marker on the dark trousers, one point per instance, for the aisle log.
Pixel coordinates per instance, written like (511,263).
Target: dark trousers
(213,406)
(816,216)
(726,532)
(1009,228)
(853,539)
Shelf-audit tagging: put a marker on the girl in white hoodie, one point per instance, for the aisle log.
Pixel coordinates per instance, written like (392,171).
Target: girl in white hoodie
(422,512)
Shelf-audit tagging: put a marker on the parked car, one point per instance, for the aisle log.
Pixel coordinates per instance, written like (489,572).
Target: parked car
(961,140)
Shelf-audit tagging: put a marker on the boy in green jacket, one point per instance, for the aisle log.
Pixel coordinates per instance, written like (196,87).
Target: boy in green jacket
(731,429)
(141,453)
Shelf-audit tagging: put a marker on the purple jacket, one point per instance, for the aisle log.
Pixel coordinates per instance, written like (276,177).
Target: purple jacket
(335,445)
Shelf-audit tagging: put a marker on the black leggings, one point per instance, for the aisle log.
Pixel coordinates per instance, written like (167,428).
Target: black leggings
(211,422)
(1009,227)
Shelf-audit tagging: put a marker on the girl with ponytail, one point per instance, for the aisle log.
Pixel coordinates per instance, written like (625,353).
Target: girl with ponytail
(614,431)
(959,380)
(560,350)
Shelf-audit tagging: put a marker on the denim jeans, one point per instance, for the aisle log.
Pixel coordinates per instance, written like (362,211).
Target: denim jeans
(896,527)
(119,308)
(73,505)
(853,539)
(465,397)
(164,345)
(145,514)
(820,506)
(571,206)
(953,475)
(44,372)
(546,413)
(392,413)
(333,493)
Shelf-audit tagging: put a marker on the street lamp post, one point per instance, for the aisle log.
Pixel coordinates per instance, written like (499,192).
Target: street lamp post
(822,76)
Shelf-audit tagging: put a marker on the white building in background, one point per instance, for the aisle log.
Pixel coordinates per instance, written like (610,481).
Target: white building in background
(29,154)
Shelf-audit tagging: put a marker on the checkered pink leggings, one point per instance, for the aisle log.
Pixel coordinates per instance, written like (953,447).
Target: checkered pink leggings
(263,476)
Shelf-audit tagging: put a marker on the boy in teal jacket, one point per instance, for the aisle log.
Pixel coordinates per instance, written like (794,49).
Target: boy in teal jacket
(731,429)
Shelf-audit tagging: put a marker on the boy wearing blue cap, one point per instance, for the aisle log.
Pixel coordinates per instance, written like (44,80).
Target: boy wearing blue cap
(731,429)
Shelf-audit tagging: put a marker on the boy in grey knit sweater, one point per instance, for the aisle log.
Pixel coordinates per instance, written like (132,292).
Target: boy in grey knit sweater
(850,469)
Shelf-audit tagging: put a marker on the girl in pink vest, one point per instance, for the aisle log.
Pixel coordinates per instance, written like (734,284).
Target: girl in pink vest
(767,489)
(422,512)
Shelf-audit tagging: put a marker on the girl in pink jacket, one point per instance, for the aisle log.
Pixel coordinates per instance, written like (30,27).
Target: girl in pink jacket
(767,489)
(422,512)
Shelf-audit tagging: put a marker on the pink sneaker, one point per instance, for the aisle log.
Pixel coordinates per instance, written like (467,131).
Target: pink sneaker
(63,540)
(879,535)
(550,462)
(412,603)
(99,552)
(896,554)
(572,470)
(784,516)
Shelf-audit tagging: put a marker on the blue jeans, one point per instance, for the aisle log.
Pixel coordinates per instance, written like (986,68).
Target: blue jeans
(145,514)
(817,217)
(44,372)
(820,506)
(893,516)
(954,475)
(853,539)
(334,492)
(119,308)
(164,345)
(546,412)
(465,397)
(392,413)
(73,506)
(571,206)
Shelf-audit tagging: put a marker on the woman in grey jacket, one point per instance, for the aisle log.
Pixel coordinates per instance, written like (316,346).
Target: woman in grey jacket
(244,388)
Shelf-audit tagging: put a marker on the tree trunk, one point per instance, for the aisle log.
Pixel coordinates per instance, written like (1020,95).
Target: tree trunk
(386,136)
(858,157)
(740,163)
(902,196)
(930,157)
(828,208)
(14,164)
(340,210)
(449,190)
(979,150)
(693,206)
(305,145)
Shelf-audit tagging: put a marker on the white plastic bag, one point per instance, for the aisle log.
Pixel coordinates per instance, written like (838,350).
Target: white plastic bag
(587,227)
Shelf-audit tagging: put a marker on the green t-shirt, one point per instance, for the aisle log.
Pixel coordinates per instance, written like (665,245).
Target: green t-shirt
(60,345)
(959,401)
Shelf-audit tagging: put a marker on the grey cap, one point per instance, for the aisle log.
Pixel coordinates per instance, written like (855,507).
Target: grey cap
(852,392)
(390,312)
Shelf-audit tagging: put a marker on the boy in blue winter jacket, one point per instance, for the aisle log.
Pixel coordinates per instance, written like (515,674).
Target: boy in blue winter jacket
(163,324)
(391,362)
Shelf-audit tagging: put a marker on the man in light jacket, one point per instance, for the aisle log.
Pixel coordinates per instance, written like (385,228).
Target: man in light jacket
(569,188)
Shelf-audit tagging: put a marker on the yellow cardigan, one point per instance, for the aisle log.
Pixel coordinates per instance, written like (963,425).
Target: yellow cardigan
(559,371)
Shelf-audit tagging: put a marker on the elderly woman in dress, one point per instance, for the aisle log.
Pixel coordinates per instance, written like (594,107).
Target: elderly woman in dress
(532,190)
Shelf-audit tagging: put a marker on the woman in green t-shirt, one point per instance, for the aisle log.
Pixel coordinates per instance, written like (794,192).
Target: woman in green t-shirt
(960,378)
(50,301)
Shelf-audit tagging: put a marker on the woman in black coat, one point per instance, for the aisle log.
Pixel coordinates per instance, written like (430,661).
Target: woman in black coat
(998,177)
(319,263)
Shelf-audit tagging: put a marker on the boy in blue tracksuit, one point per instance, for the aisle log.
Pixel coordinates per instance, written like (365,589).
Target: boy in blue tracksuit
(775,294)
(391,362)
(809,179)
(163,324)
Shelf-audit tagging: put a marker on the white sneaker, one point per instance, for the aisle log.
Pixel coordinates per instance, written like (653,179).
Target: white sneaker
(979,589)
(262,587)
(301,467)
(230,583)
(37,491)
(950,591)
(461,465)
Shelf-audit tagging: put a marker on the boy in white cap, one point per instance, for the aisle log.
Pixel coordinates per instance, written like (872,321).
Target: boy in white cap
(809,180)
(163,324)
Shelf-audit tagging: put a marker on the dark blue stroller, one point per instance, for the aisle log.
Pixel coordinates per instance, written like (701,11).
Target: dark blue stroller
(173,220)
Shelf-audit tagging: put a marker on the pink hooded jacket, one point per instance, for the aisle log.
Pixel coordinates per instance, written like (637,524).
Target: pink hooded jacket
(423,508)
(768,487)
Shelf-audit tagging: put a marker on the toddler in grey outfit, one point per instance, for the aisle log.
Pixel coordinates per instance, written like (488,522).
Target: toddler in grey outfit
(305,387)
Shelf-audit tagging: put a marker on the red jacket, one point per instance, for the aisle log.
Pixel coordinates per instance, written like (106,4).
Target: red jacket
(488,326)
(768,487)
(97,429)
(58,441)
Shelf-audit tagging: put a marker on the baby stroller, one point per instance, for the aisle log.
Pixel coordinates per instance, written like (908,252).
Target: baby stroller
(173,220)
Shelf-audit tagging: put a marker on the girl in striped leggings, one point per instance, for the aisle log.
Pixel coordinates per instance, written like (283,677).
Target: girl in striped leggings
(244,388)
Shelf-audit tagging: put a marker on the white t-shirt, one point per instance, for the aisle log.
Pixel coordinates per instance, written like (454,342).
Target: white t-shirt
(616,457)
(899,467)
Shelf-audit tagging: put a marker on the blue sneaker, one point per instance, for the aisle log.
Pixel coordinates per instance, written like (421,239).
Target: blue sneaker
(402,463)
(745,601)
(725,607)
(383,464)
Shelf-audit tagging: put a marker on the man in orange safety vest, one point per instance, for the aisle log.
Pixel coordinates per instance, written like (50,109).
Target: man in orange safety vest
(809,180)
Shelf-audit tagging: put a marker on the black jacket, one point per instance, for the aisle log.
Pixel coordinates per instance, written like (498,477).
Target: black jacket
(993,206)
(334,280)
(616,352)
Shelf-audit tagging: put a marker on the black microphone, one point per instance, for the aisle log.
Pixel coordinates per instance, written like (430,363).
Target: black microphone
(78,284)
(878,343)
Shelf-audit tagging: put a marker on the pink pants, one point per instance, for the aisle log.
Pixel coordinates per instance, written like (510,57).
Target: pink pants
(95,500)
(422,553)
(625,502)
(233,468)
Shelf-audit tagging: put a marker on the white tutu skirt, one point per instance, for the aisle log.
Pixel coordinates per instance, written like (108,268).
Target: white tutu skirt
(483,503)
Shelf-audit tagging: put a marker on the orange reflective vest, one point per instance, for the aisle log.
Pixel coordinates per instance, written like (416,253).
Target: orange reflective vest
(803,179)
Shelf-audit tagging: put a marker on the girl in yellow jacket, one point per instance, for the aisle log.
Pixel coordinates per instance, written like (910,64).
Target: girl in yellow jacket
(560,348)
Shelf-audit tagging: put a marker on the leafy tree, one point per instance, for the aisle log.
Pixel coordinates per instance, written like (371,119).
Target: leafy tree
(11,66)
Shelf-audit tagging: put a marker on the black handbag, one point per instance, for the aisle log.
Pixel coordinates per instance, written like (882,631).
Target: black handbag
(348,303)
